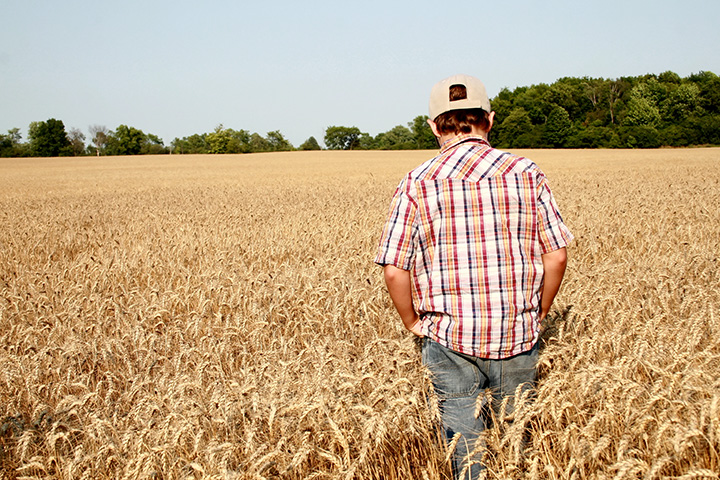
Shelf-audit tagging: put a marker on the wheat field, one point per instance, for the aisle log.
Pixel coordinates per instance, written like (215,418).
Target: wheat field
(221,317)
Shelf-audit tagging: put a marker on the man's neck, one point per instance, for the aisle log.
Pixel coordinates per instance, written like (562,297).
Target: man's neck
(450,136)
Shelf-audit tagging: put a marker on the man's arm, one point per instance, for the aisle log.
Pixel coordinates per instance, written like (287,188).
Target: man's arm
(554,264)
(399,286)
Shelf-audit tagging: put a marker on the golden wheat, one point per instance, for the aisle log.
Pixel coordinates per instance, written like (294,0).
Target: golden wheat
(220,317)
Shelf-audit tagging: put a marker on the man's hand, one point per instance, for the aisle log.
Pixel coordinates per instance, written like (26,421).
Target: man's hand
(399,286)
(415,328)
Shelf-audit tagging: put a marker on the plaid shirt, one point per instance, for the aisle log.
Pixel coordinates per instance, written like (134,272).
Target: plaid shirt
(472,224)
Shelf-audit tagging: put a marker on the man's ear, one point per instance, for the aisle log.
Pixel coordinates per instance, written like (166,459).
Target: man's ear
(491,119)
(434,129)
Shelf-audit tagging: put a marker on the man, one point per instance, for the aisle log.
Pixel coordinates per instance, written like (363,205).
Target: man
(473,252)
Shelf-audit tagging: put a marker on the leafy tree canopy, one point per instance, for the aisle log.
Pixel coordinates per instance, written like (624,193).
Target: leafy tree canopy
(77,141)
(125,140)
(310,144)
(422,134)
(259,144)
(397,138)
(10,145)
(278,143)
(342,138)
(559,127)
(49,139)
(227,140)
(645,111)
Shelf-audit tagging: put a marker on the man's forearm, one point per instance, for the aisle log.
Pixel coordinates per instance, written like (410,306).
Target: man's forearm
(554,264)
(399,286)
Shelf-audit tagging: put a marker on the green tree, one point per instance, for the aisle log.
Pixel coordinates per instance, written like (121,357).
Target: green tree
(592,90)
(258,143)
(14,136)
(516,129)
(642,111)
(708,128)
(503,104)
(709,85)
(152,145)
(683,101)
(240,141)
(310,144)
(397,138)
(535,100)
(49,139)
(613,91)
(342,138)
(640,136)
(591,137)
(423,136)
(227,140)
(558,127)
(367,142)
(6,149)
(77,141)
(651,89)
(194,144)
(10,144)
(219,140)
(669,77)
(568,94)
(125,140)
(642,108)
(278,143)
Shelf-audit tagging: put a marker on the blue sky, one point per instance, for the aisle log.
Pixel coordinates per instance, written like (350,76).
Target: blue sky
(174,68)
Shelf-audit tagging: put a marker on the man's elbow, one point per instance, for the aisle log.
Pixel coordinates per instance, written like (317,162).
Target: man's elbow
(557,259)
(392,273)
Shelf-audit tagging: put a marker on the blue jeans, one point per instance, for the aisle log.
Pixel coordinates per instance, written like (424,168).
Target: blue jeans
(459,380)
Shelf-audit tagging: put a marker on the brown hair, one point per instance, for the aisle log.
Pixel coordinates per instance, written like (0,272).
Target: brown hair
(462,121)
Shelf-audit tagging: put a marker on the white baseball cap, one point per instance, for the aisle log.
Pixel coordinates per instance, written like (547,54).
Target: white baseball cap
(440,95)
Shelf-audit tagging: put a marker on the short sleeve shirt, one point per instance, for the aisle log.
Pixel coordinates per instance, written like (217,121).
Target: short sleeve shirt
(472,224)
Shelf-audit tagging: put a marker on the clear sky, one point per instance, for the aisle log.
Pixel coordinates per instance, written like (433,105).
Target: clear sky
(175,68)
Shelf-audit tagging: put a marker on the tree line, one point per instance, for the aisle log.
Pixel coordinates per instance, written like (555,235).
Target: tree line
(648,111)
(50,139)
(645,111)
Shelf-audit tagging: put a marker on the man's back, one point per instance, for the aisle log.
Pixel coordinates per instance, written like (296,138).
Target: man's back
(479,224)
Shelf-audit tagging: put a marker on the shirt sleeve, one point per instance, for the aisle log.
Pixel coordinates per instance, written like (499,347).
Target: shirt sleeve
(397,243)
(552,231)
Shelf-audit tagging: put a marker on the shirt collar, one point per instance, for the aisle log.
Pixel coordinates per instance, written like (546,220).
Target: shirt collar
(455,141)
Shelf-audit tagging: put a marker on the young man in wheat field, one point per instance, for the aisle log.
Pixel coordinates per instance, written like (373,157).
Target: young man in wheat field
(473,252)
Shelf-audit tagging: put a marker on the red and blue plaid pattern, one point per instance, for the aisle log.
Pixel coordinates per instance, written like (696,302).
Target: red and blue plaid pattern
(472,223)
